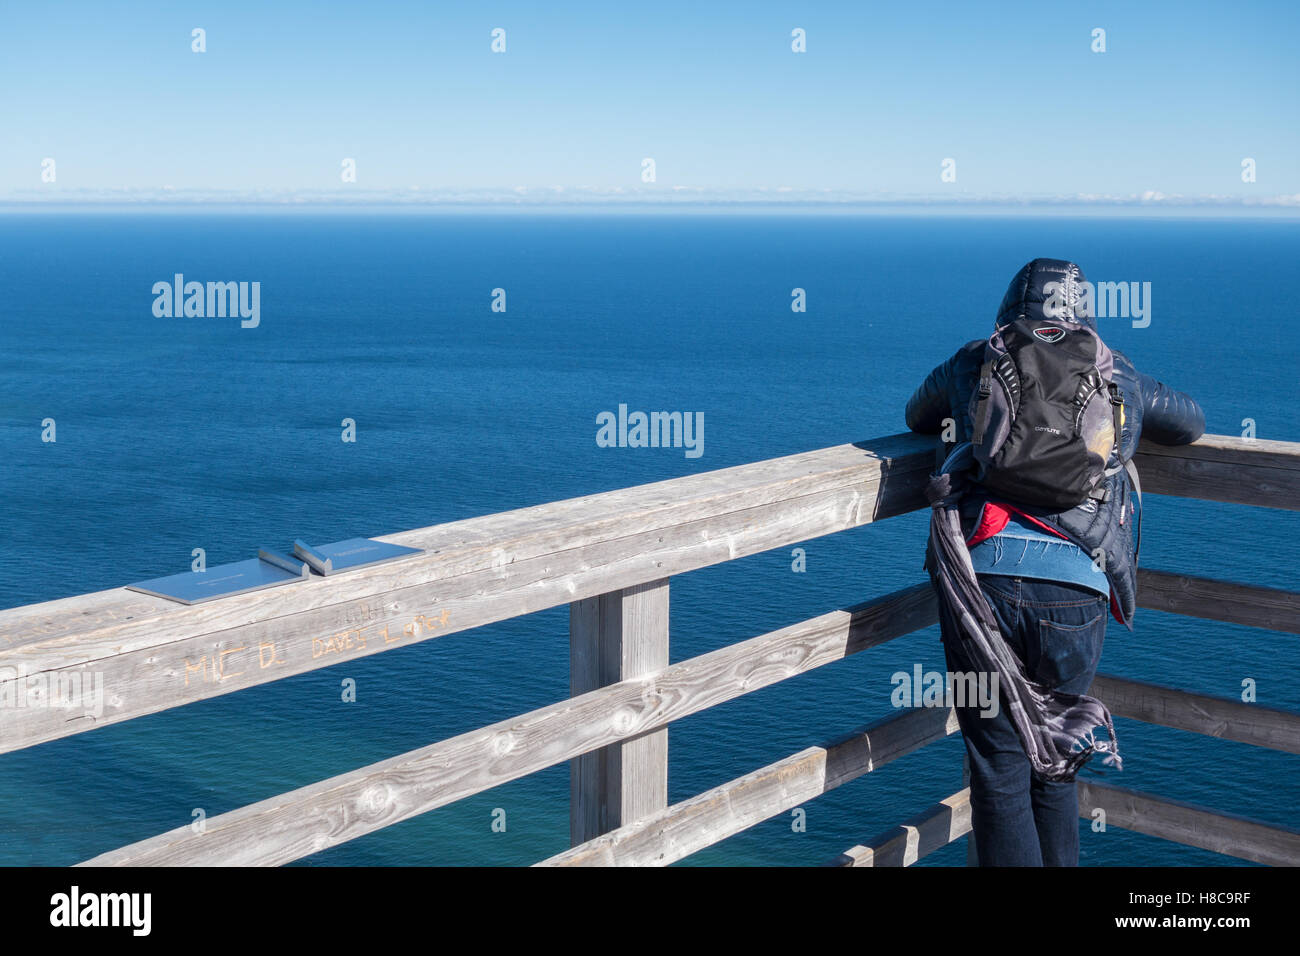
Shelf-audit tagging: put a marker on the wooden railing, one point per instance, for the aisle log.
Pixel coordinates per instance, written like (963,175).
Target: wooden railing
(610,557)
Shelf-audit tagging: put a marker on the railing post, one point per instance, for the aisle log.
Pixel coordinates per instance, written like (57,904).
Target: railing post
(612,637)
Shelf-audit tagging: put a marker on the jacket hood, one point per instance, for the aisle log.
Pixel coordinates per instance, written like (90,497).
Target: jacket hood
(1047,289)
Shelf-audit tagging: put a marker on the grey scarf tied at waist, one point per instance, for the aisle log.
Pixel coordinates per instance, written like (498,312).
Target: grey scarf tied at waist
(1055,728)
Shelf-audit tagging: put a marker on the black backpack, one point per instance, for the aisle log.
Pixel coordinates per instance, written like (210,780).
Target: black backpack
(1046,415)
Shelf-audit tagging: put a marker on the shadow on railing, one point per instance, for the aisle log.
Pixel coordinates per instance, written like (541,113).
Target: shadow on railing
(610,557)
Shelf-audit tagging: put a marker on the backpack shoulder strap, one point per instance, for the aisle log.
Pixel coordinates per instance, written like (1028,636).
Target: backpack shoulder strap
(982,405)
(1133,477)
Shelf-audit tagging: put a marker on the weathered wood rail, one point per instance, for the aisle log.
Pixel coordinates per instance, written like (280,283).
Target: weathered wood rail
(610,558)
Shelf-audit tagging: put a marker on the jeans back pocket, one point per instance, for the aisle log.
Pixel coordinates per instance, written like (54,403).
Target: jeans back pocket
(1069,653)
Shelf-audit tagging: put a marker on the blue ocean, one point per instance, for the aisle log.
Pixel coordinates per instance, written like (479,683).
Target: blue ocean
(183,433)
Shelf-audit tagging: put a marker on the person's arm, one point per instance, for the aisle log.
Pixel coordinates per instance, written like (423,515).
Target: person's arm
(928,406)
(1170,417)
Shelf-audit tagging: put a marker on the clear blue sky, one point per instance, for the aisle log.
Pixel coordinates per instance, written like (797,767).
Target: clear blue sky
(711,91)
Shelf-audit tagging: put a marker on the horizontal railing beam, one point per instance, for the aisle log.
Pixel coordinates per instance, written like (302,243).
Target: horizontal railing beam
(915,838)
(1191,825)
(1173,820)
(152,654)
(1268,608)
(1223,468)
(690,826)
(1201,714)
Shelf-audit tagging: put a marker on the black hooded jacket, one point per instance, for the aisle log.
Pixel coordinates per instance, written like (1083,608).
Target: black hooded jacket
(1151,408)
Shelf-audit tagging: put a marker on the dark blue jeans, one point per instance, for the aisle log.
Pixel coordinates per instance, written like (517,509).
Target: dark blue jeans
(1057,630)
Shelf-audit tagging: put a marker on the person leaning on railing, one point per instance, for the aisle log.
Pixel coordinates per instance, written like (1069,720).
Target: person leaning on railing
(1043,587)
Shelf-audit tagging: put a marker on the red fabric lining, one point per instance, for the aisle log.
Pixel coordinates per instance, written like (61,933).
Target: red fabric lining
(994,517)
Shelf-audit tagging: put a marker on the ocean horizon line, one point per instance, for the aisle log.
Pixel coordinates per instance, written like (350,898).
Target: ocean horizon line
(1160,209)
